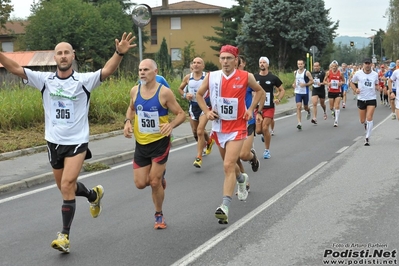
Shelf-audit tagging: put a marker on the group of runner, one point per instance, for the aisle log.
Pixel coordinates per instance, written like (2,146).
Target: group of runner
(364,80)
(238,104)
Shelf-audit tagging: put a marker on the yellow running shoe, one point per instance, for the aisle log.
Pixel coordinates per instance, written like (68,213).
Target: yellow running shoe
(95,206)
(61,243)
(209,147)
(198,162)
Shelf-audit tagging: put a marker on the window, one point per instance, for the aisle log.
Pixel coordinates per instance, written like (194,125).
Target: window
(7,46)
(154,38)
(175,54)
(175,24)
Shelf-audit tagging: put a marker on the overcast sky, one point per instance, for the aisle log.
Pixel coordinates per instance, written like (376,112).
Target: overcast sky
(357,18)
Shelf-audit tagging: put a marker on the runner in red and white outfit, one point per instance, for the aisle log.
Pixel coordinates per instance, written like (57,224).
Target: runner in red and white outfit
(367,81)
(229,116)
(334,80)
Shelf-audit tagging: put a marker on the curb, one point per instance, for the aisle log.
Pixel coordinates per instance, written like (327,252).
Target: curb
(42,148)
(47,177)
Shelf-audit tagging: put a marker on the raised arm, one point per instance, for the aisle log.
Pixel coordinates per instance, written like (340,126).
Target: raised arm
(12,66)
(121,47)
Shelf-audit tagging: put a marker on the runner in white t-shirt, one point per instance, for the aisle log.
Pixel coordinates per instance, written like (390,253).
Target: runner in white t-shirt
(367,81)
(66,100)
(393,82)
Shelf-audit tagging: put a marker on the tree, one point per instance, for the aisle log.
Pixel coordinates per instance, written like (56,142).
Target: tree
(284,30)
(90,29)
(391,40)
(5,11)
(231,20)
(162,58)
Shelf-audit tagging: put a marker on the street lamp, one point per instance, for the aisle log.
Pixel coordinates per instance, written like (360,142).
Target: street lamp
(380,42)
(372,40)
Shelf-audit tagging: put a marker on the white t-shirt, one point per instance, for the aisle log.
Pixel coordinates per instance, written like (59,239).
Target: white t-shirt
(300,78)
(395,81)
(367,85)
(66,104)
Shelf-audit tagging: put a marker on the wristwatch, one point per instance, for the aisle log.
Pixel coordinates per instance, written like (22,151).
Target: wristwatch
(260,112)
(118,53)
(127,119)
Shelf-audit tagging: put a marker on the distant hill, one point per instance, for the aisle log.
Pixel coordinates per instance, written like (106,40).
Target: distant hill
(360,42)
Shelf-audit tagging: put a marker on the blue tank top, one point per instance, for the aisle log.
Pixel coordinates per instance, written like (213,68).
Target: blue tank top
(248,101)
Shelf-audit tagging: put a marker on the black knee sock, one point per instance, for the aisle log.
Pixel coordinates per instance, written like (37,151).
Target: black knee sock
(83,191)
(68,211)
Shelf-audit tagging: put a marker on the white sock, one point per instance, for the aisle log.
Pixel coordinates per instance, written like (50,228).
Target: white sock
(369,128)
(336,115)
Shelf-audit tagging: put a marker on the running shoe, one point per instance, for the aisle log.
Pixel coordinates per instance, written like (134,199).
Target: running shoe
(247,187)
(325,116)
(95,206)
(266,154)
(204,152)
(159,222)
(254,162)
(308,116)
(262,138)
(393,117)
(242,188)
(272,132)
(299,126)
(222,213)
(314,121)
(209,147)
(198,162)
(343,105)
(333,114)
(61,243)
(366,142)
(335,124)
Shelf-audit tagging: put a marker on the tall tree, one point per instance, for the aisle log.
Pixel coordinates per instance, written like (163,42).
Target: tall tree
(285,30)
(5,11)
(163,60)
(231,21)
(391,40)
(90,29)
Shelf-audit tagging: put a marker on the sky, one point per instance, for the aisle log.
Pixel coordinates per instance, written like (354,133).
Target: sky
(356,18)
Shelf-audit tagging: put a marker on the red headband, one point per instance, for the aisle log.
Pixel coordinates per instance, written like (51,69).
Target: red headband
(229,49)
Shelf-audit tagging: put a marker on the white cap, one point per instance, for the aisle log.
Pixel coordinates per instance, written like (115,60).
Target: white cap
(334,62)
(265,59)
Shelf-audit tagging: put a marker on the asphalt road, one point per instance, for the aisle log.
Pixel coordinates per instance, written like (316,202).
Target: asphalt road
(263,230)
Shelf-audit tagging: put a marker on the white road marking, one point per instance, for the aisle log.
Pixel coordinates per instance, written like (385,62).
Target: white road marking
(342,149)
(198,252)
